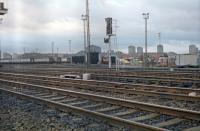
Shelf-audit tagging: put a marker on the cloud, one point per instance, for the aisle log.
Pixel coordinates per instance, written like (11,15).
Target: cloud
(30,23)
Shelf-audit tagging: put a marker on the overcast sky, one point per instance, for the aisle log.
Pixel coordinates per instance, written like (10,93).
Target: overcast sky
(33,24)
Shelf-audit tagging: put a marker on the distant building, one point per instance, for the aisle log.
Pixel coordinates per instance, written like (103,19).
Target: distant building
(35,56)
(193,49)
(16,56)
(80,53)
(139,50)
(155,56)
(95,49)
(160,49)
(163,61)
(187,59)
(131,51)
(198,59)
(7,56)
(171,58)
(121,55)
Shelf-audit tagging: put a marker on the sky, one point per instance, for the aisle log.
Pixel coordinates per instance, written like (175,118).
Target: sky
(32,25)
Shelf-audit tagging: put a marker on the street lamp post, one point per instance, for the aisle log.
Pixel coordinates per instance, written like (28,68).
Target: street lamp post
(88,31)
(146,17)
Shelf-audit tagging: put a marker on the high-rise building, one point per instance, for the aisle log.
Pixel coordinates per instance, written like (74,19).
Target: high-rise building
(160,49)
(193,49)
(139,50)
(131,51)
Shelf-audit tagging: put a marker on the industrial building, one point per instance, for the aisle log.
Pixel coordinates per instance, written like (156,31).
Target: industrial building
(95,49)
(7,56)
(187,59)
(79,58)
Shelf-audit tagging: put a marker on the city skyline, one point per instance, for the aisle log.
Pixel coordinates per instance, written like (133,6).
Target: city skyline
(36,24)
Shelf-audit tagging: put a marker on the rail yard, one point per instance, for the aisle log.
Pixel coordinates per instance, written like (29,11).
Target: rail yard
(113,100)
(99,65)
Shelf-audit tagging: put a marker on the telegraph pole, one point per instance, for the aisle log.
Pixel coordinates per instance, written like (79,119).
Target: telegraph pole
(52,49)
(70,50)
(146,17)
(88,32)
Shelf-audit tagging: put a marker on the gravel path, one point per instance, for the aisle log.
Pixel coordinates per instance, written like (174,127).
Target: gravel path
(22,115)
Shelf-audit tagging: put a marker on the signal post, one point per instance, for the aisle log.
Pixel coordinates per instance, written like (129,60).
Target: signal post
(107,40)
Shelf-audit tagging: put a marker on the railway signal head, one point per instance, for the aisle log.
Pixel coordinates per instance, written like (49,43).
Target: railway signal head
(3,10)
(106,40)
(108,26)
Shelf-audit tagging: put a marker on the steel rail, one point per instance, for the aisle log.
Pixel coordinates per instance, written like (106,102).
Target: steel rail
(164,75)
(154,81)
(104,117)
(181,113)
(57,83)
(148,78)
(139,87)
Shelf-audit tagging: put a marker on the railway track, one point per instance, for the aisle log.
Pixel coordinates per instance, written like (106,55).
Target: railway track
(177,95)
(141,87)
(160,74)
(136,115)
(128,77)
(190,83)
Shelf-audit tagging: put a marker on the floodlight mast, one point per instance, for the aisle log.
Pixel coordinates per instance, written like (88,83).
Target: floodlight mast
(146,17)
(84,34)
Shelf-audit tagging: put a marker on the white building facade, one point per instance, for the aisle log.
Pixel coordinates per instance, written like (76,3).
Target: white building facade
(187,59)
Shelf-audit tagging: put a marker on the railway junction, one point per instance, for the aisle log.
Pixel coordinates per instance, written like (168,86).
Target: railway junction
(106,100)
